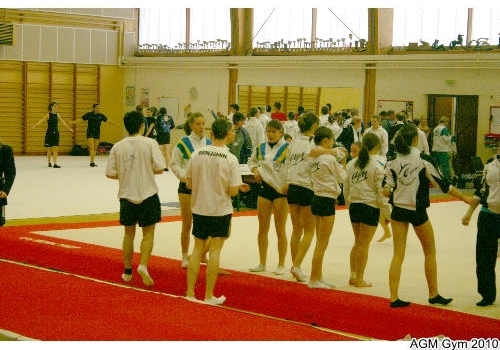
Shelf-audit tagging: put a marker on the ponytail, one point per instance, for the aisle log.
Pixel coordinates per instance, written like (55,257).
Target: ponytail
(404,138)
(369,142)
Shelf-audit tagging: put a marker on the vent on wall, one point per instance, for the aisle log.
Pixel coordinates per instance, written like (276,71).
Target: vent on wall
(6,33)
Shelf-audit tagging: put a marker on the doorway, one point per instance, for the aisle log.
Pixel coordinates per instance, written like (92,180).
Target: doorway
(462,110)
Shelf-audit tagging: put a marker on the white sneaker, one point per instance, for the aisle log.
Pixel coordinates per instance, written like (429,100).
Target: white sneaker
(146,278)
(258,268)
(194,300)
(298,274)
(185,263)
(127,277)
(216,301)
(280,270)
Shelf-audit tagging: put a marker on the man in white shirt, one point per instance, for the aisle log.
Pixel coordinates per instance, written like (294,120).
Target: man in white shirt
(255,129)
(378,130)
(211,204)
(423,145)
(134,161)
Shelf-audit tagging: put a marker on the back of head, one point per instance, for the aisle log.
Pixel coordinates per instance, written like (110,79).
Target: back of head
(404,138)
(369,142)
(291,115)
(300,109)
(307,121)
(220,128)
(324,110)
(133,121)
(252,112)
(277,105)
(235,107)
(162,111)
(268,108)
(322,133)
(443,120)
(401,117)
(237,117)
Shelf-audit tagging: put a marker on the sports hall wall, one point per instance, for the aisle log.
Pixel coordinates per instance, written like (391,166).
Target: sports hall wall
(203,82)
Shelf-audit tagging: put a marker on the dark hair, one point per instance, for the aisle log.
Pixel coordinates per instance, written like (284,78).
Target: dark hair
(220,128)
(288,136)
(329,105)
(162,111)
(274,124)
(383,113)
(300,109)
(153,111)
(52,104)
(277,105)
(307,121)
(252,112)
(139,108)
(190,120)
(369,142)
(237,117)
(322,133)
(235,107)
(416,121)
(268,108)
(324,110)
(133,121)
(291,116)
(404,138)
(95,105)
(331,118)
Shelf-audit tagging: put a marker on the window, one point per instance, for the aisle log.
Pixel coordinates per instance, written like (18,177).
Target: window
(167,26)
(290,24)
(350,23)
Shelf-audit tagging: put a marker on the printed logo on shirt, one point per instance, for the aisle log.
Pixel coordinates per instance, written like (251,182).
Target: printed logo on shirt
(359,176)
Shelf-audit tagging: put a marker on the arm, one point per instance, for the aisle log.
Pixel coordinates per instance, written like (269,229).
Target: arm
(9,170)
(64,123)
(470,210)
(40,121)
(150,129)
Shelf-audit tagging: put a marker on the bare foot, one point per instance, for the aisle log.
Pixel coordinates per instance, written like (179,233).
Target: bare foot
(352,281)
(384,237)
(223,272)
(362,284)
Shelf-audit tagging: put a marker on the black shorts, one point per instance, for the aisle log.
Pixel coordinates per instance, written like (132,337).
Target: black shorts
(51,139)
(92,134)
(322,206)
(183,188)
(363,213)
(414,217)
(299,195)
(163,138)
(146,213)
(269,193)
(211,226)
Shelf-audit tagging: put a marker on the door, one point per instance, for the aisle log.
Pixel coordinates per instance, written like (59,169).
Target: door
(463,113)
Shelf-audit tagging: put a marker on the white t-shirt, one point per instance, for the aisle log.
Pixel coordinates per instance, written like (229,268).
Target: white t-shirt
(134,160)
(383,136)
(255,131)
(213,171)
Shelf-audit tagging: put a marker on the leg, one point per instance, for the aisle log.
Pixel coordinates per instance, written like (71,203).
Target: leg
(264,211)
(163,149)
(167,153)
(486,256)
(194,266)
(352,257)
(146,249)
(55,150)
(280,208)
(187,220)
(91,142)
(128,246)
(365,237)
(425,234)
(213,266)
(309,221)
(400,233)
(49,155)
(297,228)
(323,233)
